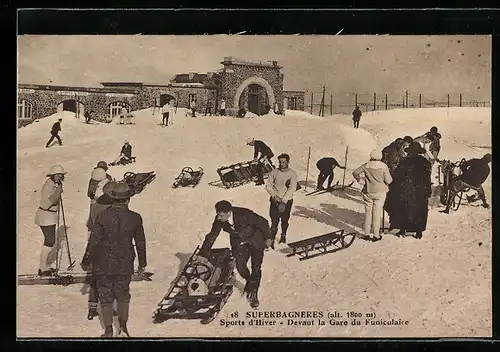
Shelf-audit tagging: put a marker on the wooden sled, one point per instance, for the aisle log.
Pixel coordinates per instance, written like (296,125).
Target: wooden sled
(69,278)
(242,173)
(188,177)
(137,182)
(320,244)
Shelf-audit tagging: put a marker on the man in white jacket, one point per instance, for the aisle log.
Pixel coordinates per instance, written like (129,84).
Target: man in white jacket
(281,186)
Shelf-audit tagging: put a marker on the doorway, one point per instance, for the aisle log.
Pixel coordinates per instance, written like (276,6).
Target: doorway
(165,98)
(254,99)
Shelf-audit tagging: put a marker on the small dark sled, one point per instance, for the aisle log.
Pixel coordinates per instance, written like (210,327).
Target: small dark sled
(200,290)
(188,177)
(69,278)
(137,182)
(241,173)
(123,161)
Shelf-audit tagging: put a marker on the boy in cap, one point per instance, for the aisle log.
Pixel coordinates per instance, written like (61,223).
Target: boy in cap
(261,152)
(47,215)
(54,133)
(110,250)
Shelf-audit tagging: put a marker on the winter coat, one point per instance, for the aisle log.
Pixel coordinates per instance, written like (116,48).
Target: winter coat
(408,199)
(110,248)
(56,127)
(248,227)
(377,177)
(263,149)
(50,195)
(356,114)
(93,186)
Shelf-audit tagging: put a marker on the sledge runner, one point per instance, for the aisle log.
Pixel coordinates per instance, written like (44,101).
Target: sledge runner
(110,250)
(47,215)
(261,153)
(356,116)
(281,186)
(125,156)
(249,236)
(54,133)
(474,174)
(326,166)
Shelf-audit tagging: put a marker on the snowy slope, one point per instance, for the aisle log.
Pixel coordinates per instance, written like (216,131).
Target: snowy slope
(441,284)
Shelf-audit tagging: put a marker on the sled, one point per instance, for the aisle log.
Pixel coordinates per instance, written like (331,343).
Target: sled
(241,173)
(188,177)
(319,244)
(447,172)
(66,278)
(137,182)
(123,161)
(200,290)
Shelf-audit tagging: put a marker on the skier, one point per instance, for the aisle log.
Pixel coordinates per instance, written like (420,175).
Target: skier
(249,236)
(125,156)
(281,186)
(166,114)
(192,106)
(356,116)
(474,173)
(376,181)
(123,112)
(110,250)
(54,133)
(326,166)
(47,215)
(222,107)
(265,153)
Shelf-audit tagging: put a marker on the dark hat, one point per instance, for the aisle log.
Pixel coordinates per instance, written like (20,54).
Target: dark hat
(415,148)
(117,190)
(103,165)
(223,206)
(434,129)
(408,139)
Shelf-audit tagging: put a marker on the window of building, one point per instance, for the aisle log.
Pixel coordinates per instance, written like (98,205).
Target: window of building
(24,110)
(192,97)
(292,103)
(116,109)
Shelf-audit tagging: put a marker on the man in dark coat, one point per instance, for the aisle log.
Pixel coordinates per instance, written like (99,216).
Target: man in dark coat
(326,166)
(356,116)
(260,151)
(125,156)
(249,236)
(411,191)
(474,173)
(110,250)
(54,133)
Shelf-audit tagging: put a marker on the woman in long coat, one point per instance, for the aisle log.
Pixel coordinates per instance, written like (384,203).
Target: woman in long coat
(411,190)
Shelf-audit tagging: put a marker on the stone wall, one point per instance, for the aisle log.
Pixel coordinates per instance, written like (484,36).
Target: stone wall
(203,95)
(236,74)
(300,95)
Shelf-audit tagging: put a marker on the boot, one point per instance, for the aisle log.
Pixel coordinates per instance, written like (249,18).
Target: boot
(418,235)
(108,331)
(283,238)
(123,309)
(92,311)
(253,299)
(123,332)
(44,256)
(45,272)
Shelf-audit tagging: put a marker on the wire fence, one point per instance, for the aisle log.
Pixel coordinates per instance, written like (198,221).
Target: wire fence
(321,104)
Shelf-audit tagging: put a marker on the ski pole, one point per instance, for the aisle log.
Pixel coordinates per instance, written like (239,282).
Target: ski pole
(71,262)
(58,261)
(345,165)
(307,172)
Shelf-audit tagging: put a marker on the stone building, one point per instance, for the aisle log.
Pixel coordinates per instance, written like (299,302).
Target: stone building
(256,87)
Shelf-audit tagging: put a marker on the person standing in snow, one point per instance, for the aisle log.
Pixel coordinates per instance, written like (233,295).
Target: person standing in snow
(123,112)
(281,186)
(156,105)
(222,107)
(326,166)
(110,251)
(474,174)
(249,236)
(276,108)
(356,116)
(125,156)
(47,215)
(166,114)
(192,106)
(376,181)
(262,153)
(172,109)
(208,108)
(54,133)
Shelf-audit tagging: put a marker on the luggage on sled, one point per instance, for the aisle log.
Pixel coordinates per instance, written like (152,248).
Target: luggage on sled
(137,182)
(241,173)
(200,290)
(188,177)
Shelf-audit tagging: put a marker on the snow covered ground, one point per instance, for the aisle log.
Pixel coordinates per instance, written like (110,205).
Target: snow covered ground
(441,284)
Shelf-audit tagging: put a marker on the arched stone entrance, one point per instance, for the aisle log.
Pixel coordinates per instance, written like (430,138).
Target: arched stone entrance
(254,100)
(165,98)
(72,105)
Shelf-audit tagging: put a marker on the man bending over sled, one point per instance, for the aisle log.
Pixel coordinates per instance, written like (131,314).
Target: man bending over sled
(125,156)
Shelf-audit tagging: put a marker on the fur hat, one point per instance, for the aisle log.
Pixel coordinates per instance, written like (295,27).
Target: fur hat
(117,190)
(376,155)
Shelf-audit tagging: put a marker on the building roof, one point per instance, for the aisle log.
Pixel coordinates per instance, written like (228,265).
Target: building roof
(231,60)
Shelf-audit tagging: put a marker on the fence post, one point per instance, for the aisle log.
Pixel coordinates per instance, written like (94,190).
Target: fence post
(323,103)
(460,100)
(420,100)
(406,98)
(448,100)
(374,101)
(312,100)
(386,101)
(403,101)
(355,100)
(331,104)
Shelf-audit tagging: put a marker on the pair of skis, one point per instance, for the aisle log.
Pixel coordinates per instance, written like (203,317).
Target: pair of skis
(336,187)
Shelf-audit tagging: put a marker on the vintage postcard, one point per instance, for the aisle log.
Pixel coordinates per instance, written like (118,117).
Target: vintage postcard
(254,186)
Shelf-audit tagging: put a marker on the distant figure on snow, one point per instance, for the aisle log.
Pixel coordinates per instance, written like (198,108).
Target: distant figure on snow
(222,107)
(192,106)
(241,113)
(474,174)
(166,114)
(87,116)
(54,133)
(356,116)
(123,113)
(326,166)
(208,108)
(261,152)
(376,181)
(125,156)
(156,105)
(276,108)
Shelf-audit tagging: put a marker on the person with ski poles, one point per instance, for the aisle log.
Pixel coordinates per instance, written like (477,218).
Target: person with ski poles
(47,215)
(326,166)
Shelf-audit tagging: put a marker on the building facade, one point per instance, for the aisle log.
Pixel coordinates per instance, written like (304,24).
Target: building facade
(255,87)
